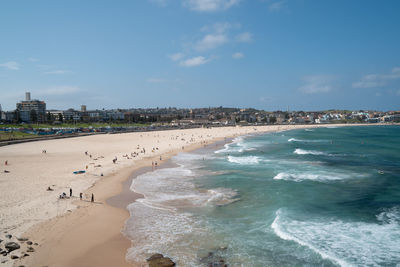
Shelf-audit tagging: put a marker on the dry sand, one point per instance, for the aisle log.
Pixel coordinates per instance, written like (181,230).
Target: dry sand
(71,232)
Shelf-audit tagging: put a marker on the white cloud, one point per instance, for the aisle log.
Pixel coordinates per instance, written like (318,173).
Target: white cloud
(32,59)
(376,80)
(11,65)
(176,56)
(194,61)
(58,72)
(60,90)
(222,27)
(211,41)
(217,35)
(245,37)
(316,84)
(276,5)
(238,55)
(209,5)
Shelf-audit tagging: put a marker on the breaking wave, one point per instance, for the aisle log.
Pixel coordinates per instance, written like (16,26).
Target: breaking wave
(339,241)
(250,160)
(299,151)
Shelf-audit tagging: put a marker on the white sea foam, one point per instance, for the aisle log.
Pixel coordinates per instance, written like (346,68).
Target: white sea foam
(155,231)
(231,147)
(223,150)
(250,160)
(390,216)
(299,151)
(309,130)
(158,223)
(238,145)
(298,177)
(320,176)
(222,196)
(346,243)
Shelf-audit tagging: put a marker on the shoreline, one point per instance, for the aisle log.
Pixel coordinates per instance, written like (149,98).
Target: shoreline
(114,195)
(91,235)
(106,251)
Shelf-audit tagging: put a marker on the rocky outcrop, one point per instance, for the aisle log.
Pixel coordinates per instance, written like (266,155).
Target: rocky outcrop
(158,260)
(15,249)
(10,246)
(215,258)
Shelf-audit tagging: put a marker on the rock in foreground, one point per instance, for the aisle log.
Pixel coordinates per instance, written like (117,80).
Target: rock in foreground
(158,260)
(10,246)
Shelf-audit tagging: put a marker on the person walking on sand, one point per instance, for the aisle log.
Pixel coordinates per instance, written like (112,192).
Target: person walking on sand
(80,196)
(92,198)
(6,162)
(70,192)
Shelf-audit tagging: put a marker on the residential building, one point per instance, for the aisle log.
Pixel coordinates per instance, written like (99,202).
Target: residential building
(31,110)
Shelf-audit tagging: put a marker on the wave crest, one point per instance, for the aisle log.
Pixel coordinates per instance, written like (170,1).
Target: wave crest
(250,160)
(299,151)
(340,241)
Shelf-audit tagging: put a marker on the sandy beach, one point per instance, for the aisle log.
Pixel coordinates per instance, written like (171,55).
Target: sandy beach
(74,232)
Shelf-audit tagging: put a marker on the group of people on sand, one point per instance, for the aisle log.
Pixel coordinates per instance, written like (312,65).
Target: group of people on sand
(64,195)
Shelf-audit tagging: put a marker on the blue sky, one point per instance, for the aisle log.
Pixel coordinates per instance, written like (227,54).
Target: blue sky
(266,54)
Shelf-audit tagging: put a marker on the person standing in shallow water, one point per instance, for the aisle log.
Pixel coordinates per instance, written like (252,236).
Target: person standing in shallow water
(92,198)
(70,192)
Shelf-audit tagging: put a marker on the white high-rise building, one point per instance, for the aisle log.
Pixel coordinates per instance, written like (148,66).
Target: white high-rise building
(29,107)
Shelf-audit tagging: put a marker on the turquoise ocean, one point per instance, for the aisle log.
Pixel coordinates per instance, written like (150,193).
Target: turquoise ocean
(311,197)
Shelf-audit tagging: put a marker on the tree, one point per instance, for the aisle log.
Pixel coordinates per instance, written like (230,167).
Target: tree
(49,117)
(272,120)
(60,117)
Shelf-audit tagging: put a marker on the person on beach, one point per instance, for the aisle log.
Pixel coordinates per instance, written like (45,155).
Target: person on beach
(80,196)
(6,162)
(92,200)
(70,192)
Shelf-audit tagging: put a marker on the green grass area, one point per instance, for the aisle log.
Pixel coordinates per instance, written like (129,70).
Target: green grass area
(73,125)
(15,135)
